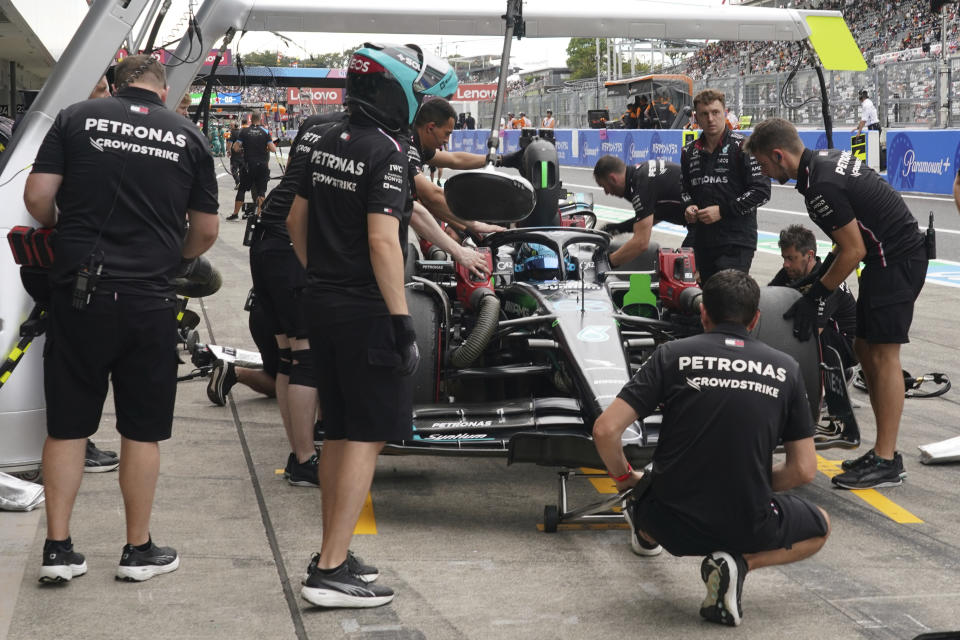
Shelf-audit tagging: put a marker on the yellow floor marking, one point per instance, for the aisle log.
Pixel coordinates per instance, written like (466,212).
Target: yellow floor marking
(602,485)
(278,472)
(366,525)
(872,497)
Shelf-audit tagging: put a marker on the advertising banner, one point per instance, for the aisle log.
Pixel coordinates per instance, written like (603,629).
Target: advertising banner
(923,160)
(314,96)
(475,93)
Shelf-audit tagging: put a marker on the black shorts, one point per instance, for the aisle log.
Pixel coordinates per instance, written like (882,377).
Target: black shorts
(278,278)
(131,340)
(791,520)
(363,397)
(886,299)
(254,179)
(710,260)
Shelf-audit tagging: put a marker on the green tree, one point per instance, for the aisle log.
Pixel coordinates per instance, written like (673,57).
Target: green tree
(321,60)
(582,57)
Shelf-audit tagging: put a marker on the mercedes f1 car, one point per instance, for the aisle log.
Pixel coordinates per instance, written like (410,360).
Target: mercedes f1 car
(521,364)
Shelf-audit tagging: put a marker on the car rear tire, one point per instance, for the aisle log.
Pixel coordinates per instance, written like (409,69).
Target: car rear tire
(775,331)
(426,314)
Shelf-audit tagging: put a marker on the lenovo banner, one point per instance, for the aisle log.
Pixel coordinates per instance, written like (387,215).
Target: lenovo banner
(475,93)
(314,96)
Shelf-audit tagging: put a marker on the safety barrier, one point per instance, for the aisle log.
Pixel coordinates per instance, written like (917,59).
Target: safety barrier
(919,160)
(582,147)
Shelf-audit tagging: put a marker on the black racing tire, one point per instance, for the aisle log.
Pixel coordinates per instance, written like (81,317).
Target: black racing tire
(646,261)
(426,314)
(410,262)
(775,331)
(551,518)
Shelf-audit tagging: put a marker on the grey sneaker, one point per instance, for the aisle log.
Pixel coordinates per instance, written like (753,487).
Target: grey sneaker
(366,572)
(137,566)
(869,458)
(723,575)
(343,588)
(61,563)
(98,461)
(222,378)
(872,473)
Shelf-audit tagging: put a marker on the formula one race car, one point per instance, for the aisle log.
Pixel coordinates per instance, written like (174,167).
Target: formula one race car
(521,364)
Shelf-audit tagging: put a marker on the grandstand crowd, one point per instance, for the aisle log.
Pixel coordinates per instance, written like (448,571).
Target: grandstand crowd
(878,27)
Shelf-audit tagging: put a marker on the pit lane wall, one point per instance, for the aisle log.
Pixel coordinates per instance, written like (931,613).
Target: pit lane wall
(920,160)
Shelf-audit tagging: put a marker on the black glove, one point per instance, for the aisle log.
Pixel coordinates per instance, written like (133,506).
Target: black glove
(613,228)
(406,341)
(512,160)
(808,311)
(818,270)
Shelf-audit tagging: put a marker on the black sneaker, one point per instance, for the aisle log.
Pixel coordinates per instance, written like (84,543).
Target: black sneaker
(873,472)
(291,460)
(137,566)
(97,461)
(366,572)
(637,544)
(61,563)
(868,459)
(723,574)
(222,378)
(302,474)
(233,217)
(318,432)
(343,588)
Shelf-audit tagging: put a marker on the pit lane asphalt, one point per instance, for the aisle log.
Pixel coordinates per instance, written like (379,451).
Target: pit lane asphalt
(458,539)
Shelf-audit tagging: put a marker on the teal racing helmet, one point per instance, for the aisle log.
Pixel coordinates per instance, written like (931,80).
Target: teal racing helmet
(387,83)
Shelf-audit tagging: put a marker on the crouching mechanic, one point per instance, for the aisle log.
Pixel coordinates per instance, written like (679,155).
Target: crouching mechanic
(348,224)
(867,220)
(121,326)
(801,267)
(714,490)
(653,188)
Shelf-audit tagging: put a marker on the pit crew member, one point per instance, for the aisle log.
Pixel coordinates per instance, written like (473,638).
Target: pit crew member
(431,131)
(256,146)
(348,227)
(118,177)
(801,267)
(714,490)
(653,188)
(867,221)
(722,188)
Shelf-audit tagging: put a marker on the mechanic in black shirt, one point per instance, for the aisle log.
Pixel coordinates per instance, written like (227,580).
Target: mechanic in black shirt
(867,220)
(653,188)
(727,400)
(722,188)
(348,224)
(256,146)
(278,279)
(118,177)
(431,131)
(236,159)
(801,267)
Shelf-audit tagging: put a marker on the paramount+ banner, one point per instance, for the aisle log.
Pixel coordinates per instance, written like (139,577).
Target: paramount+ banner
(922,160)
